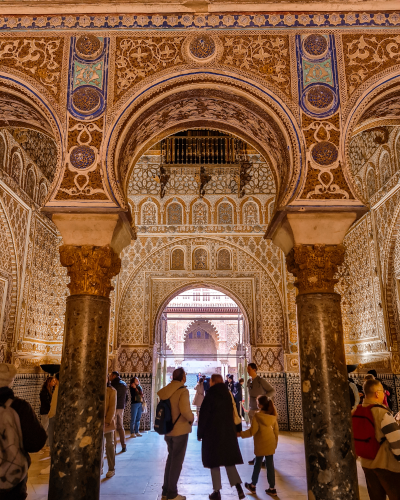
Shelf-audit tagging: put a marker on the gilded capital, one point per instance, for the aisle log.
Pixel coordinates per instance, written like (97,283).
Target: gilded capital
(90,268)
(315,266)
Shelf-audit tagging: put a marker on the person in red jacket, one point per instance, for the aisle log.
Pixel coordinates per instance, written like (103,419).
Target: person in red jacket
(33,434)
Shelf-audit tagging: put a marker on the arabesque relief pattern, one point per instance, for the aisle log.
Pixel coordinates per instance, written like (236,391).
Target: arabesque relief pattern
(147,281)
(95,99)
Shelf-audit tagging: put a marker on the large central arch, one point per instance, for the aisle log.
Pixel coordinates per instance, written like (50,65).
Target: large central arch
(206,100)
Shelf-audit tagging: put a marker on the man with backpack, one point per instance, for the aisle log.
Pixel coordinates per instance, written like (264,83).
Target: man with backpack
(181,417)
(377,443)
(20,433)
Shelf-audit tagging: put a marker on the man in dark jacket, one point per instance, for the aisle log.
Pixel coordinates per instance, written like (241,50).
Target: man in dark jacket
(33,435)
(122,399)
(218,432)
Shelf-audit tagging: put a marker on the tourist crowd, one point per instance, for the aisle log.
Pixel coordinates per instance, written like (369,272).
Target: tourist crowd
(219,417)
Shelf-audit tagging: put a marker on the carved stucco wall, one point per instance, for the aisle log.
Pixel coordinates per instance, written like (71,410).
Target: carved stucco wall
(32,282)
(146,282)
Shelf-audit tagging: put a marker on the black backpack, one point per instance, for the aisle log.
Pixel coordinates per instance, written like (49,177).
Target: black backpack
(163,423)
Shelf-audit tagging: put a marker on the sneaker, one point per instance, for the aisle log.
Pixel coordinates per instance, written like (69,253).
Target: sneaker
(240,492)
(178,497)
(271,491)
(251,462)
(250,487)
(138,435)
(215,495)
(123,449)
(133,435)
(110,473)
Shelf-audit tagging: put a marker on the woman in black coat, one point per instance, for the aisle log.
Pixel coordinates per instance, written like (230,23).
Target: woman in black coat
(218,432)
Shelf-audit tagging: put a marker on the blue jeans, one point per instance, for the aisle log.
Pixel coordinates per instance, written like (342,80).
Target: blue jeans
(269,462)
(136,413)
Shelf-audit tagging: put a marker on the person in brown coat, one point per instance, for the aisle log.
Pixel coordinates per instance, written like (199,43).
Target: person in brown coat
(109,428)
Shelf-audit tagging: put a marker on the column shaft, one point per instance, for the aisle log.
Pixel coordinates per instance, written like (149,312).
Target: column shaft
(330,459)
(76,457)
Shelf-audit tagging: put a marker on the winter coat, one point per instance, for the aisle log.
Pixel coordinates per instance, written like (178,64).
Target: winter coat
(217,430)
(264,428)
(45,401)
(180,405)
(111,405)
(33,435)
(199,396)
(122,392)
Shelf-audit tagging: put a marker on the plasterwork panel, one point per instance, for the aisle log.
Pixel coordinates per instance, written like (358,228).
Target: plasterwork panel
(362,315)
(146,283)
(183,180)
(40,148)
(366,55)
(385,216)
(38,58)
(47,287)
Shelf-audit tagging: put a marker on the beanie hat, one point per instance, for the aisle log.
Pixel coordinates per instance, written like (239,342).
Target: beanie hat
(7,374)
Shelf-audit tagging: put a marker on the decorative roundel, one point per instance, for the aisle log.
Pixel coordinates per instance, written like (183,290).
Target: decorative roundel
(86,100)
(324,153)
(82,157)
(320,97)
(315,45)
(202,47)
(88,46)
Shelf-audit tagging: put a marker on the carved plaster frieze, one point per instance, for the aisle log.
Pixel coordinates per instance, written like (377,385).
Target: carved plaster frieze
(90,268)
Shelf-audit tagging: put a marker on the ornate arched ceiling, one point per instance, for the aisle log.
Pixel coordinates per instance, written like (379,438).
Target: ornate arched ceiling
(32,124)
(263,123)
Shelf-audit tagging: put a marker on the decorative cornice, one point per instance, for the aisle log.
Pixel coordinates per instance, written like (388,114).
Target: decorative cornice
(211,20)
(90,269)
(314,266)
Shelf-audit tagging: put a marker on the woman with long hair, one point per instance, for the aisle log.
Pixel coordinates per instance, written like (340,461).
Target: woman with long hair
(136,406)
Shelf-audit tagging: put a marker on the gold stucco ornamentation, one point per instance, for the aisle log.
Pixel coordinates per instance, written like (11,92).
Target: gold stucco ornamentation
(315,266)
(90,268)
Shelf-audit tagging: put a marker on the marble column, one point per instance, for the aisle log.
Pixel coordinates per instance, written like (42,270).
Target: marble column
(78,435)
(330,458)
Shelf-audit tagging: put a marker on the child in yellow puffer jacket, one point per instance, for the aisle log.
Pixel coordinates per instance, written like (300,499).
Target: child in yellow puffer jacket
(264,429)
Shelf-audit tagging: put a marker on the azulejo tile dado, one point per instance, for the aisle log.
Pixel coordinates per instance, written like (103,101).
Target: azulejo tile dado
(317,20)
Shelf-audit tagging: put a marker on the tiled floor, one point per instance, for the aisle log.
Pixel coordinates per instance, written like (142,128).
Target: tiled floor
(139,472)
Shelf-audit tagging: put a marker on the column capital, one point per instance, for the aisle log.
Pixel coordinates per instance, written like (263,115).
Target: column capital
(314,266)
(90,268)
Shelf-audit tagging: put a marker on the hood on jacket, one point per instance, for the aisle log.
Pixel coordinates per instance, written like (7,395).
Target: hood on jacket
(265,418)
(167,391)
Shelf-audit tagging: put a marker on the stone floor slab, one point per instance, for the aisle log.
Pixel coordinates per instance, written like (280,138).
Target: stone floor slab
(140,471)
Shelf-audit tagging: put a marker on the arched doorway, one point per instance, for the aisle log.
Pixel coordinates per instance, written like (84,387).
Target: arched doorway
(203,331)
